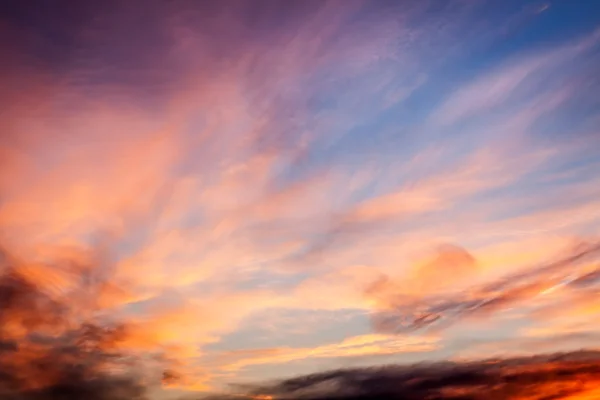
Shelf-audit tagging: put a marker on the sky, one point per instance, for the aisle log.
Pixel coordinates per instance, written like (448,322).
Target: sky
(280,188)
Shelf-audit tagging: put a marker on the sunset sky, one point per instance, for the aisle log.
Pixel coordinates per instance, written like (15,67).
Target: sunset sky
(284,187)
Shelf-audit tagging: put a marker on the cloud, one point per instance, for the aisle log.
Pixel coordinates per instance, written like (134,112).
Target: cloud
(491,91)
(182,177)
(357,346)
(443,190)
(206,318)
(447,267)
(137,174)
(505,83)
(60,346)
(548,376)
(518,289)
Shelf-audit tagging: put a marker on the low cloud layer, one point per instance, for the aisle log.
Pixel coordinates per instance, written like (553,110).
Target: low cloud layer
(557,376)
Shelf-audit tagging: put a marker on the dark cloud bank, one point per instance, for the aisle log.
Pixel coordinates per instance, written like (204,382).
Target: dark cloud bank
(541,378)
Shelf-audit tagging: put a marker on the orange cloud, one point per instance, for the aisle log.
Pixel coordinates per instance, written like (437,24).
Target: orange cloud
(538,284)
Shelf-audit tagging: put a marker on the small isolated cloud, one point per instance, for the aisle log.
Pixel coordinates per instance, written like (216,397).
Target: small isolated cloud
(446,268)
(542,7)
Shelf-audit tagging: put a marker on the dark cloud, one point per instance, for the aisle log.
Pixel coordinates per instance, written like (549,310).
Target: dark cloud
(541,377)
(61,347)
